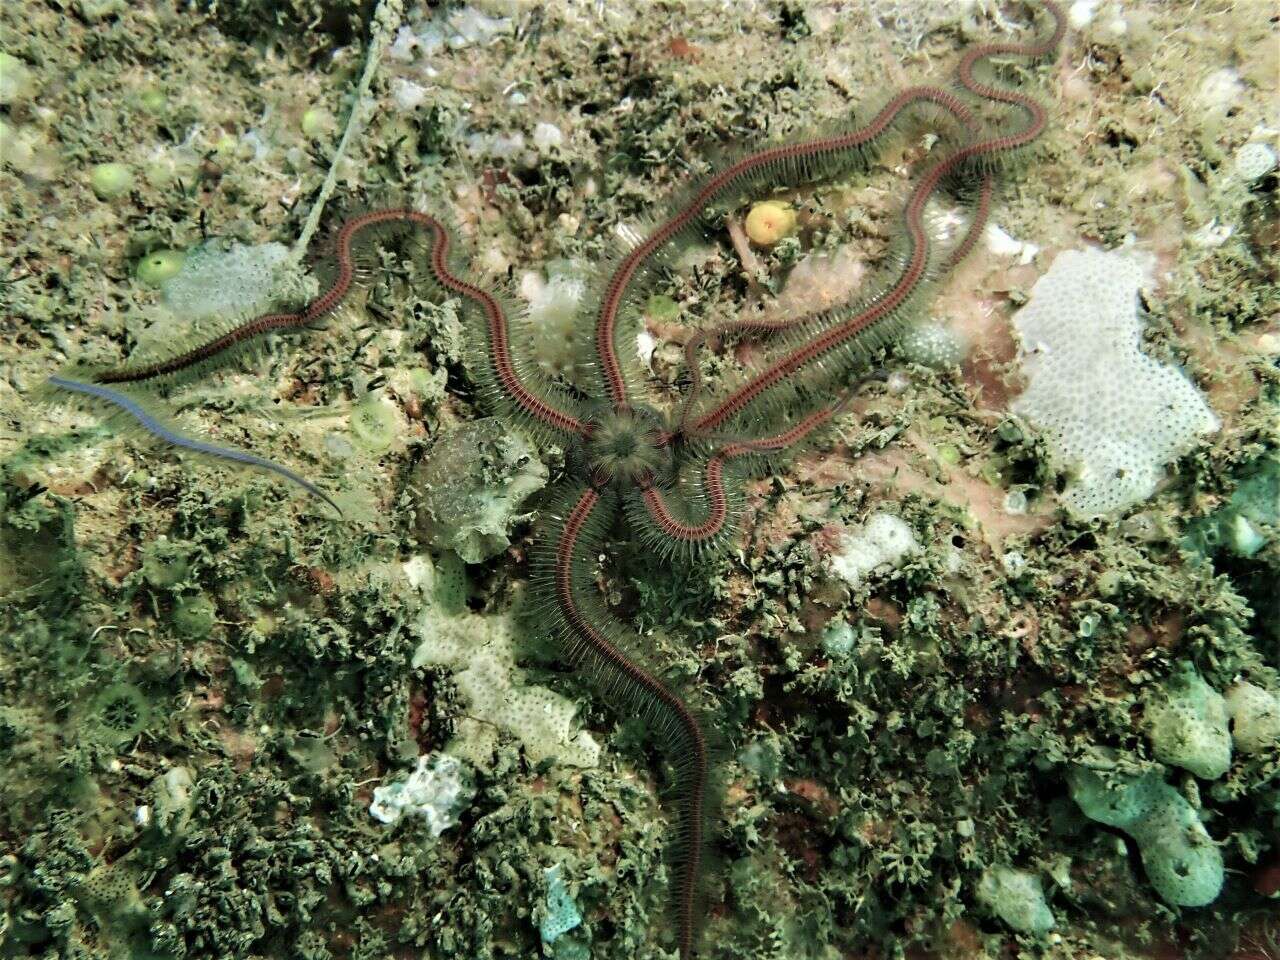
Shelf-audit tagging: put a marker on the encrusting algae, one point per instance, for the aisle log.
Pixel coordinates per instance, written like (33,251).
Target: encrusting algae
(964,666)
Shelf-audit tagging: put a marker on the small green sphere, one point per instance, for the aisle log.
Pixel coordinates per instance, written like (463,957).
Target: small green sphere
(227,146)
(111,180)
(157,267)
(315,123)
(153,100)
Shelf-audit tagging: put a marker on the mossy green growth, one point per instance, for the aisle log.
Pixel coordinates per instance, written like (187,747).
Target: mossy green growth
(160,265)
(1248,521)
(661,308)
(16,83)
(763,758)
(111,180)
(166,563)
(1016,897)
(1181,859)
(95,11)
(1186,720)
(171,800)
(376,424)
(153,100)
(194,616)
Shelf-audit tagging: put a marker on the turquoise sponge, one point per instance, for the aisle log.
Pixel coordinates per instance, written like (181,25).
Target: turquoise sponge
(1186,720)
(1180,857)
(560,913)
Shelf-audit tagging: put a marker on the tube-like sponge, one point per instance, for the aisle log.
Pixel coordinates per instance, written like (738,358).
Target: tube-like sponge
(1180,857)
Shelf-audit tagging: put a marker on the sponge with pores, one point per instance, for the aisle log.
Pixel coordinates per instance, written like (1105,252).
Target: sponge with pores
(1255,718)
(1186,720)
(1016,898)
(1111,415)
(1181,859)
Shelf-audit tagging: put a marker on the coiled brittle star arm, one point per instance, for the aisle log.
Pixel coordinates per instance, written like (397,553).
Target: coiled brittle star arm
(797,160)
(915,270)
(665,531)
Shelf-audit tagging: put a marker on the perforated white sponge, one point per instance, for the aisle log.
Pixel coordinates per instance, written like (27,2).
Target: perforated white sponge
(1112,417)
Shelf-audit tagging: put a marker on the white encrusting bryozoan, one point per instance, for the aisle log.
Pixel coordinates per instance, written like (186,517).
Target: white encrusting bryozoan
(1111,416)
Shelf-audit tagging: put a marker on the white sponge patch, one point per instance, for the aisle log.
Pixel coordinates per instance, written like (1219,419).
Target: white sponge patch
(435,791)
(480,652)
(1111,416)
(225,280)
(882,542)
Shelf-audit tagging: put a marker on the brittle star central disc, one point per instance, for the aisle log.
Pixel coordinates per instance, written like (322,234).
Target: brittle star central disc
(627,444)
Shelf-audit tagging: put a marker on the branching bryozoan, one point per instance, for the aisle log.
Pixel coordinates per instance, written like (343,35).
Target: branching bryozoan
(677,477)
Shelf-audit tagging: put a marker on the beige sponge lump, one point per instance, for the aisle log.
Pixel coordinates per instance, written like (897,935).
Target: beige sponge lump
(479,651)
(1255,718)
(1186,720)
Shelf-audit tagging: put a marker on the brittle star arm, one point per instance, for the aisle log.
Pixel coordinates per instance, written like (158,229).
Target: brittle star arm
(896,298)
(769,327)
(795,161)
(595,639)
(504,378)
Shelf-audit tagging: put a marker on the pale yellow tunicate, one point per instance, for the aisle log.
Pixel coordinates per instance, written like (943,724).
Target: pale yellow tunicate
(769,221)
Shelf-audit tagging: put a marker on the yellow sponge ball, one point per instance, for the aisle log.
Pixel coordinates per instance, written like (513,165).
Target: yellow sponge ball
(770,221)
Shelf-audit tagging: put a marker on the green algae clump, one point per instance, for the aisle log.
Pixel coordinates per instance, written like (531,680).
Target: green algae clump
(194,616)
(16,83)
(1181,859)
(171,798)
(166,563)
(1186,720)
